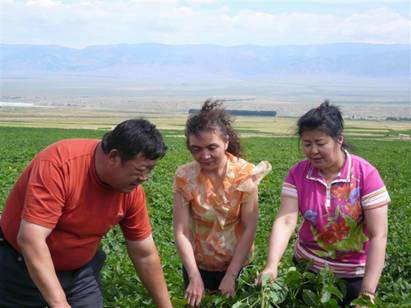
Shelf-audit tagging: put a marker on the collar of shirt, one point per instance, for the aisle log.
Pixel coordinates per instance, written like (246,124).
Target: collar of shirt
(231,159)
(343,176)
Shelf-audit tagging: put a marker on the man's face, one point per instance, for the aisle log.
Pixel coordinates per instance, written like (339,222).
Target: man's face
(126,176)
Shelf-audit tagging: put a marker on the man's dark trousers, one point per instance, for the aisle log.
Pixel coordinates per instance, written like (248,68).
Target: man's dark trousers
(81,286)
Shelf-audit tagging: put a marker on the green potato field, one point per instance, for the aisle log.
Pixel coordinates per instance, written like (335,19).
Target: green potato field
(121,285)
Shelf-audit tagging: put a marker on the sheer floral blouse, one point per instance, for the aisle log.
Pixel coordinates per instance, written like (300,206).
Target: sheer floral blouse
(215,212)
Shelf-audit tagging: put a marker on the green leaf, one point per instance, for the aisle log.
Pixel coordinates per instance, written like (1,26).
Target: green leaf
(332,303)
(278,296)
(293,277)
(178,302)
(273,296)
(335,291)
(265,279)
(363,300)
(310,298)
(217,300)
(237,305)
(325,296)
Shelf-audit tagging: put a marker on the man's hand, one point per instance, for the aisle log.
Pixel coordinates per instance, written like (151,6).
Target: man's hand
(195,291)
(146,261)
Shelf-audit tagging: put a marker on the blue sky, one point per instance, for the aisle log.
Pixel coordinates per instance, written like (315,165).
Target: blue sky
(98,22)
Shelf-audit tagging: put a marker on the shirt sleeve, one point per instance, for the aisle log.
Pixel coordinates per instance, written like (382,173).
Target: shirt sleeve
(250,176)
(136,223)
(289,188)
(373,193)
(181,184)
(45,195)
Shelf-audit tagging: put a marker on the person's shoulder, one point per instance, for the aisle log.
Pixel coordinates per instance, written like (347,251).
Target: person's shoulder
(300,167)
(72,145)
(186,175)
(361,163)
(186,169)
(238,165)
(138,191)
(240,162)
(76,142)
(134,198)
(68,149)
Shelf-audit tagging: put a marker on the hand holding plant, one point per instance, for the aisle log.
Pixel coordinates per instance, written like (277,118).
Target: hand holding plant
(365,300)
(269,273)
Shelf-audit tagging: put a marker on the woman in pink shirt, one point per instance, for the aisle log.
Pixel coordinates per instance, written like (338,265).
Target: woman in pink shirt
(215,205)
(343,202)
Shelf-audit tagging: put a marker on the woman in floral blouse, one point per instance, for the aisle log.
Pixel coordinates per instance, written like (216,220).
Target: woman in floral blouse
(343,202)
(215,205)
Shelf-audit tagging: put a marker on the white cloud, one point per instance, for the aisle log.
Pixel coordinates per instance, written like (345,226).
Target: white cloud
(376,26)
(92,22)
(200,1)
(43,3)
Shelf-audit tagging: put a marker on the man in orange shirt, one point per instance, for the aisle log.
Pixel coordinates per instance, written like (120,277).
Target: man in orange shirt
(66,200)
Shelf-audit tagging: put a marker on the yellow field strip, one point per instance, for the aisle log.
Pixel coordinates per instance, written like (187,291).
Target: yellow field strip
(247,126)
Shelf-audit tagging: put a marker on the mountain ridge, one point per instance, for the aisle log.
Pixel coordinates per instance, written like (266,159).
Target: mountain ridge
(242,61)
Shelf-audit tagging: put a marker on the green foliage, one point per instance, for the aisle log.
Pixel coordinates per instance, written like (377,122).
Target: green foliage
(295,287)
(122,287)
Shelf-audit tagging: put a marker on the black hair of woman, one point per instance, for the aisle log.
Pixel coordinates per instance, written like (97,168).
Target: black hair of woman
(213,117)
(326,118)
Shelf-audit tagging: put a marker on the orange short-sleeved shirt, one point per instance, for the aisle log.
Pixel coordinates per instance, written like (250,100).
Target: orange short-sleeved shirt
(216,215)
(60,190)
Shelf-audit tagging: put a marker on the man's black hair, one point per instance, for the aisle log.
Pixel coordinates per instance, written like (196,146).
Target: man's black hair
(135,136)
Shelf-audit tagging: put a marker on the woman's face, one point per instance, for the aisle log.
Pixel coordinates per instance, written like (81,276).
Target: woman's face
(321,150)
(208,149)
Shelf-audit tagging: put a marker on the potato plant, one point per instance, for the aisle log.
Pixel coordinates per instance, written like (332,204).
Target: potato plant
(294,286)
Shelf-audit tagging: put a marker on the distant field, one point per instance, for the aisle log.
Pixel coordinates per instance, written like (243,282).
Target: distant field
(248,126)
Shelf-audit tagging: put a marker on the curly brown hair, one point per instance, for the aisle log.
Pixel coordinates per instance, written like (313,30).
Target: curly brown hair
(212,116)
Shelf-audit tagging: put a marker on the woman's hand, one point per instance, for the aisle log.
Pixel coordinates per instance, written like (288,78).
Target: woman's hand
(227,285)
(367,295)
(270,271)
(195,291)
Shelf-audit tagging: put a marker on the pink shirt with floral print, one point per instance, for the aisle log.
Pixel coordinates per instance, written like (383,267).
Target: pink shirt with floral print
(333,231)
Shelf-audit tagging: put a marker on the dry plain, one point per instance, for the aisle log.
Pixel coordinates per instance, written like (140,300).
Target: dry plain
(79,118)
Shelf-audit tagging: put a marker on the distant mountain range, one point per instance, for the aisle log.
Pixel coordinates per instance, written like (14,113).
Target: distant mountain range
(247,61)
(130,66)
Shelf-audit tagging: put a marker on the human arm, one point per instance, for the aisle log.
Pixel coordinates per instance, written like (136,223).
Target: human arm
(377,223)
(182,233)
(144,255)
(31,239)
(249,218)
(283,227)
